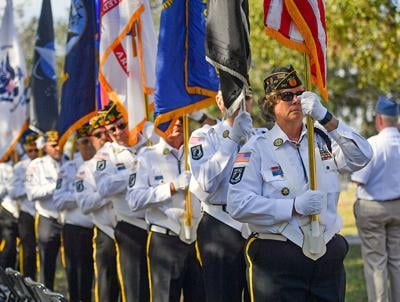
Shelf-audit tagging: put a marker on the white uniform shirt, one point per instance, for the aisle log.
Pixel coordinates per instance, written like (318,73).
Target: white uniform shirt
(112,175)
(41,179)
(268,174)
(380,179)
(64,195)
(6,174)
(149,188)
(17,189)
(89,199)
(212,154)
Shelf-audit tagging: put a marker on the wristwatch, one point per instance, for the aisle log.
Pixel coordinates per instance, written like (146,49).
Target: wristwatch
(328,116)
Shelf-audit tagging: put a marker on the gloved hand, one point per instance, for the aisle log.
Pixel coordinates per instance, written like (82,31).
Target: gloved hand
(182,181)
(149,134)
(311,105)
(310,202)
(242,128)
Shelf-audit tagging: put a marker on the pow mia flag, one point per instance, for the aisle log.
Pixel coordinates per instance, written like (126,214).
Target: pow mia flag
(101,165)
(197,152)
(59,183)
(236,175)
(132,180)
(79,186)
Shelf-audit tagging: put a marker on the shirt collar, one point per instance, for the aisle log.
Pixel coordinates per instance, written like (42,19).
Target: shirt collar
(279,137)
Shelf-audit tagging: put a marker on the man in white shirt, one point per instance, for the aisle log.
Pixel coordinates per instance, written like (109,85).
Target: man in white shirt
(377,209)
(26,220)
(41,179)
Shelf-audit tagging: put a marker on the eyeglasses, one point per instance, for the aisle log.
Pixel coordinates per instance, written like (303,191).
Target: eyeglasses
(99,134)
(288,96)
(53,145)
(120,126)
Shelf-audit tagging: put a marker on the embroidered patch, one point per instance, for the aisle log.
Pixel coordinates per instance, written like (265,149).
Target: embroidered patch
(236,175)
(197,152)
(159,178)
(195,140)
(59,183)
(243,157)
(166,151)
(132,180)
(276,170)
(225,134)
(79,186)
(101,165)
(120,166)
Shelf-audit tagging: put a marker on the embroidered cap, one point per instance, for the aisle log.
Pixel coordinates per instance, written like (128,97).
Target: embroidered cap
(97,121)
(51,136)
(281,78)
(83,131)
(30,139)
(112,114)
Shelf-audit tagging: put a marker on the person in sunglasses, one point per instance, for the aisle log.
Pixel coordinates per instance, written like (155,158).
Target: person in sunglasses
(41,179)
(159,186)
(26,219)
(116,162)
(77,230)
(100,211)
(220,238)
(270,190)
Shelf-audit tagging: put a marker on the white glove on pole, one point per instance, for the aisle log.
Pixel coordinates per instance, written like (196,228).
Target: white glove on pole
(182,181)
(311,105)
(242,127)
(310,202)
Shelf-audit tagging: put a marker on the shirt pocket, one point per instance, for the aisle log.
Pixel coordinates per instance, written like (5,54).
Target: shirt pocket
(275,185)
(328,180)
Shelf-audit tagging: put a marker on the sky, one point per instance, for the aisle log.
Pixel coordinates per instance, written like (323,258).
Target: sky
(32,8)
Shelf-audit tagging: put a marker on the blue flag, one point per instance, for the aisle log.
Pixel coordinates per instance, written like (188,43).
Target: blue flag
(44,104)
(78,98)
(185,81)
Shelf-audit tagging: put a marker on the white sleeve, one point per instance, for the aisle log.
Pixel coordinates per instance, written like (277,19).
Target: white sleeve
(17,186)
(34,188)
(110,180)
(64,196)
(350,150)
(141,194)
(209,159)
(246,202)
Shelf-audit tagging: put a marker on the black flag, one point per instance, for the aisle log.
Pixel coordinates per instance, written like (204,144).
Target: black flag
(44,104)
(228,47)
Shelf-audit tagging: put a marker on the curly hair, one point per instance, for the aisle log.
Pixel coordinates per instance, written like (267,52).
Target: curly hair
(267,106)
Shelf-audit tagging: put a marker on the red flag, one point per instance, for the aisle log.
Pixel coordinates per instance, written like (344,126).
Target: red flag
(300,25)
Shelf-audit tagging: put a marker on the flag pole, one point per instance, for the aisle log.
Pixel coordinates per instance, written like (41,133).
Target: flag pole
(315,227)
(188,203)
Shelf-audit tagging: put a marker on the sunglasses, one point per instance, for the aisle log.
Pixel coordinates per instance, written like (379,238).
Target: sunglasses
(53,145)
(288,96)
(99,134)
(120,126)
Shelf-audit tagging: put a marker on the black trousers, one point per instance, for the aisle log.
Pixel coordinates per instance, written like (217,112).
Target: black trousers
(278,271)
(105,267)
(9,234)
(173,268)
(49,240)
(78,249)
(221,248)
(131,262)
(26,230)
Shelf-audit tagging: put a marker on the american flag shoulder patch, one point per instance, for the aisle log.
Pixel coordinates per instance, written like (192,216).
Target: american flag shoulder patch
(243,157)
(195,140)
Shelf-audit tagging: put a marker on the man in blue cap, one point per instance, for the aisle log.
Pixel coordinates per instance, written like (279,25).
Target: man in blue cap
(377,209)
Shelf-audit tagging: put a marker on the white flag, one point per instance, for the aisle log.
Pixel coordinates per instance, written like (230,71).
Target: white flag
(127,57)
(13,98)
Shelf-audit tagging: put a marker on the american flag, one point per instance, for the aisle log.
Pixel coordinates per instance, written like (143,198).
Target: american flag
(243,157)
(300,25)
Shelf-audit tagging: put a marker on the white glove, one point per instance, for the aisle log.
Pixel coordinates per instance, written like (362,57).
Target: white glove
(310,202)
(242,128)
(311,105)
(149,134)
(182,181)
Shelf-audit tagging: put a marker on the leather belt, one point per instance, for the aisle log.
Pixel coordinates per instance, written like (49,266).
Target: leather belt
(162,230)
(270,236)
